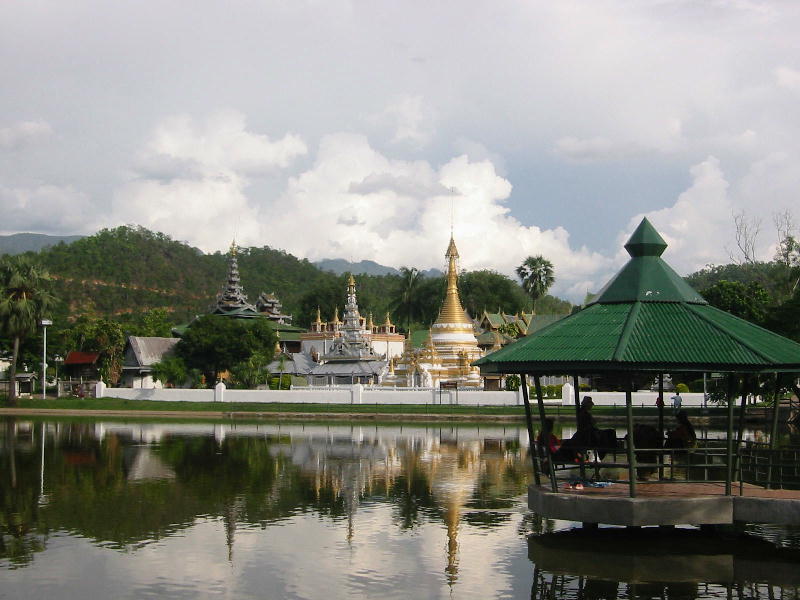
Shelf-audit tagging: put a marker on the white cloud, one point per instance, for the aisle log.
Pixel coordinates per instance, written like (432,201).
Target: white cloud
(46,209)
(408,120)
(194,179)
(356,203)
(788,78)
(24,133)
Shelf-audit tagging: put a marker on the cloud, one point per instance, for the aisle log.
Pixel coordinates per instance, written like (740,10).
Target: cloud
(408,120)
(191,179)
(23,134)
(357,203)
(596,148)
(46,209)
(788,78)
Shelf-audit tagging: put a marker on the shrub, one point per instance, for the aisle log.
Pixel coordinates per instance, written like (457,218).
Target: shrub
(512,383)
(682,388)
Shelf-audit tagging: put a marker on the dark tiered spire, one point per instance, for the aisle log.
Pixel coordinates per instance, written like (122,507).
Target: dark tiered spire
(232,301)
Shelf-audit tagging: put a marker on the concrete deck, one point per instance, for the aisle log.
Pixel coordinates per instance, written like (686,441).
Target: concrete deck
(667,504)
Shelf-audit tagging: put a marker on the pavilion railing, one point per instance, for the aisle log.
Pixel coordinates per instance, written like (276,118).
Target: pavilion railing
(777,468)
(704,463)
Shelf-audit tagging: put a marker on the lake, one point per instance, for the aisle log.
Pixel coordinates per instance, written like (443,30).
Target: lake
(237,510)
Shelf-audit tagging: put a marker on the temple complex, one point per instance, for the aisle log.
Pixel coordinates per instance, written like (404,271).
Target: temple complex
(350,358)
(383,338)
(451,346)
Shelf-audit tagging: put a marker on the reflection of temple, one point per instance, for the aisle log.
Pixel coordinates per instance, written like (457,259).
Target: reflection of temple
(451,346)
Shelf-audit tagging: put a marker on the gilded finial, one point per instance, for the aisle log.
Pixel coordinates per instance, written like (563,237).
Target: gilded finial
(388,321)
(319,317)
(370,324)
(234,248)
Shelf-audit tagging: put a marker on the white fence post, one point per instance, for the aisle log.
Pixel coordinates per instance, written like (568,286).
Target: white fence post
(219,392)
(100,389)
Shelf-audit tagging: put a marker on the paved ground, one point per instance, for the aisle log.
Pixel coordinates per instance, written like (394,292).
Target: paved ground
(676,490)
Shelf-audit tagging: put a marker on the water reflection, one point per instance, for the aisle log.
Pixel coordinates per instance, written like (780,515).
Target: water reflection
(670,563)
(292,511)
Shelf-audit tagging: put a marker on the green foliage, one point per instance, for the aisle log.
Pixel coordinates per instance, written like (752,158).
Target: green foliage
(171,371)
(748,301)
(406,303)
(283,382)
(489,290)
(24,300)
(214,344)
(512,383)
(537,276)
(251,372)
(682,388)
(97,335)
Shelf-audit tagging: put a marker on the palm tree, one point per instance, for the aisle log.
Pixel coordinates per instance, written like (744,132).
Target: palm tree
(406,304)
(24,300)
(537,276)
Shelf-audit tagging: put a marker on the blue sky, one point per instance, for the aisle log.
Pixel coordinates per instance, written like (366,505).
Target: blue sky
(349,129)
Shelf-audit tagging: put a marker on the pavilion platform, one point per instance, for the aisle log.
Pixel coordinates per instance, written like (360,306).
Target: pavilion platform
(665,504)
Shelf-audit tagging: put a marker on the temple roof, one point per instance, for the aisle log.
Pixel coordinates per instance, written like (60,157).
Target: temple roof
(232,301)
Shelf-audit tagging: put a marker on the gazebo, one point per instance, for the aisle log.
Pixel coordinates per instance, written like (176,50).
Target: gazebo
(646,321)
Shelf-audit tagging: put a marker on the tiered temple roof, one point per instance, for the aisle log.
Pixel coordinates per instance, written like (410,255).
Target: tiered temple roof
(232,301)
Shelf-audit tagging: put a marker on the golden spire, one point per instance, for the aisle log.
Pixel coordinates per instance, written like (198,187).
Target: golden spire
(370,324)
(452,311)
(233,247)
(319,318)
(351,282)
(336,315)
(388,321)
(391,366)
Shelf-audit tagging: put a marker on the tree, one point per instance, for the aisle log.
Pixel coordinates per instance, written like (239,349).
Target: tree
(251,372)
(537,276)
(98,335)
(214,343)
(748,301)
(488,290)
(24,301)
(171,371)
(406,304)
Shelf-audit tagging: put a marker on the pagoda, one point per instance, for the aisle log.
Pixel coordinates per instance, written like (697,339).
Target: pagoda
(451,345)
(232,301)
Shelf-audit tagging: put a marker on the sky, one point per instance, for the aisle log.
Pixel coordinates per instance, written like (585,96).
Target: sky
(363,130)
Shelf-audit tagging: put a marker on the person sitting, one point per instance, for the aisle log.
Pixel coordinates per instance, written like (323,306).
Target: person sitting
(547,443)
(683,436)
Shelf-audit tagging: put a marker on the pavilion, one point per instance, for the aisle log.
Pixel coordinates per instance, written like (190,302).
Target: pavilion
(648,321)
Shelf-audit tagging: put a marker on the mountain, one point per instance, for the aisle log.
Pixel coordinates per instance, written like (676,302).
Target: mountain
(18,243)
(339,266)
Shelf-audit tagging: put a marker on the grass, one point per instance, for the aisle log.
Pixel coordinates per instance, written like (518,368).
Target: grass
(117,404)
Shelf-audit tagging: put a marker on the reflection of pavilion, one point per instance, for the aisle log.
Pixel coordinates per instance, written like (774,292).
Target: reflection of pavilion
(596,564)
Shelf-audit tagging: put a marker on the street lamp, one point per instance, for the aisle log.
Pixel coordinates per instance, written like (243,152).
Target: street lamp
(44,323)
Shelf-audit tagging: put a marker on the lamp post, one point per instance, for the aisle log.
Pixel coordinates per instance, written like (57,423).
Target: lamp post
(57,359)
(44,323)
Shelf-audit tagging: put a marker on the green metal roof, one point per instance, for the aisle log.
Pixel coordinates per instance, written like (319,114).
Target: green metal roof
(645,321)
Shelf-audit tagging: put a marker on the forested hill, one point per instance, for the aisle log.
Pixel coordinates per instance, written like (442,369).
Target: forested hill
(18,243)
(129,270)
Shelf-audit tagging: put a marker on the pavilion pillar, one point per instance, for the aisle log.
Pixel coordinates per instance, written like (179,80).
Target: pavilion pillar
(529,422)
(661,424)
(773,433)
(540,401)
(577,395)
(747,382)
(630,444)
(729,454)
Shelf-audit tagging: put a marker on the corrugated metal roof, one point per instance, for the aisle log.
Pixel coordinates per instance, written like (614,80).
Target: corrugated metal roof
(667,329)
(75,357)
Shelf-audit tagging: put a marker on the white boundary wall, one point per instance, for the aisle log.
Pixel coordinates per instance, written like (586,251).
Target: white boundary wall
(641,398)
(355,394)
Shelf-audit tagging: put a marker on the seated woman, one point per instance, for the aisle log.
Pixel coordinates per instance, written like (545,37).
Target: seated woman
(683,436)
(547,443)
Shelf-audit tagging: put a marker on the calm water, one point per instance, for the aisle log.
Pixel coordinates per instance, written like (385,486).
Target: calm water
(170,510)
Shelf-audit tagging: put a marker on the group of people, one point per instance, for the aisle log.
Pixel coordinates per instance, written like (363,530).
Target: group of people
(588,436)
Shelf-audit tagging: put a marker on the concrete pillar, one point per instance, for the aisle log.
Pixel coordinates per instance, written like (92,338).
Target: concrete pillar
(100,389)
(355,393)
(567,392)
(219,392)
